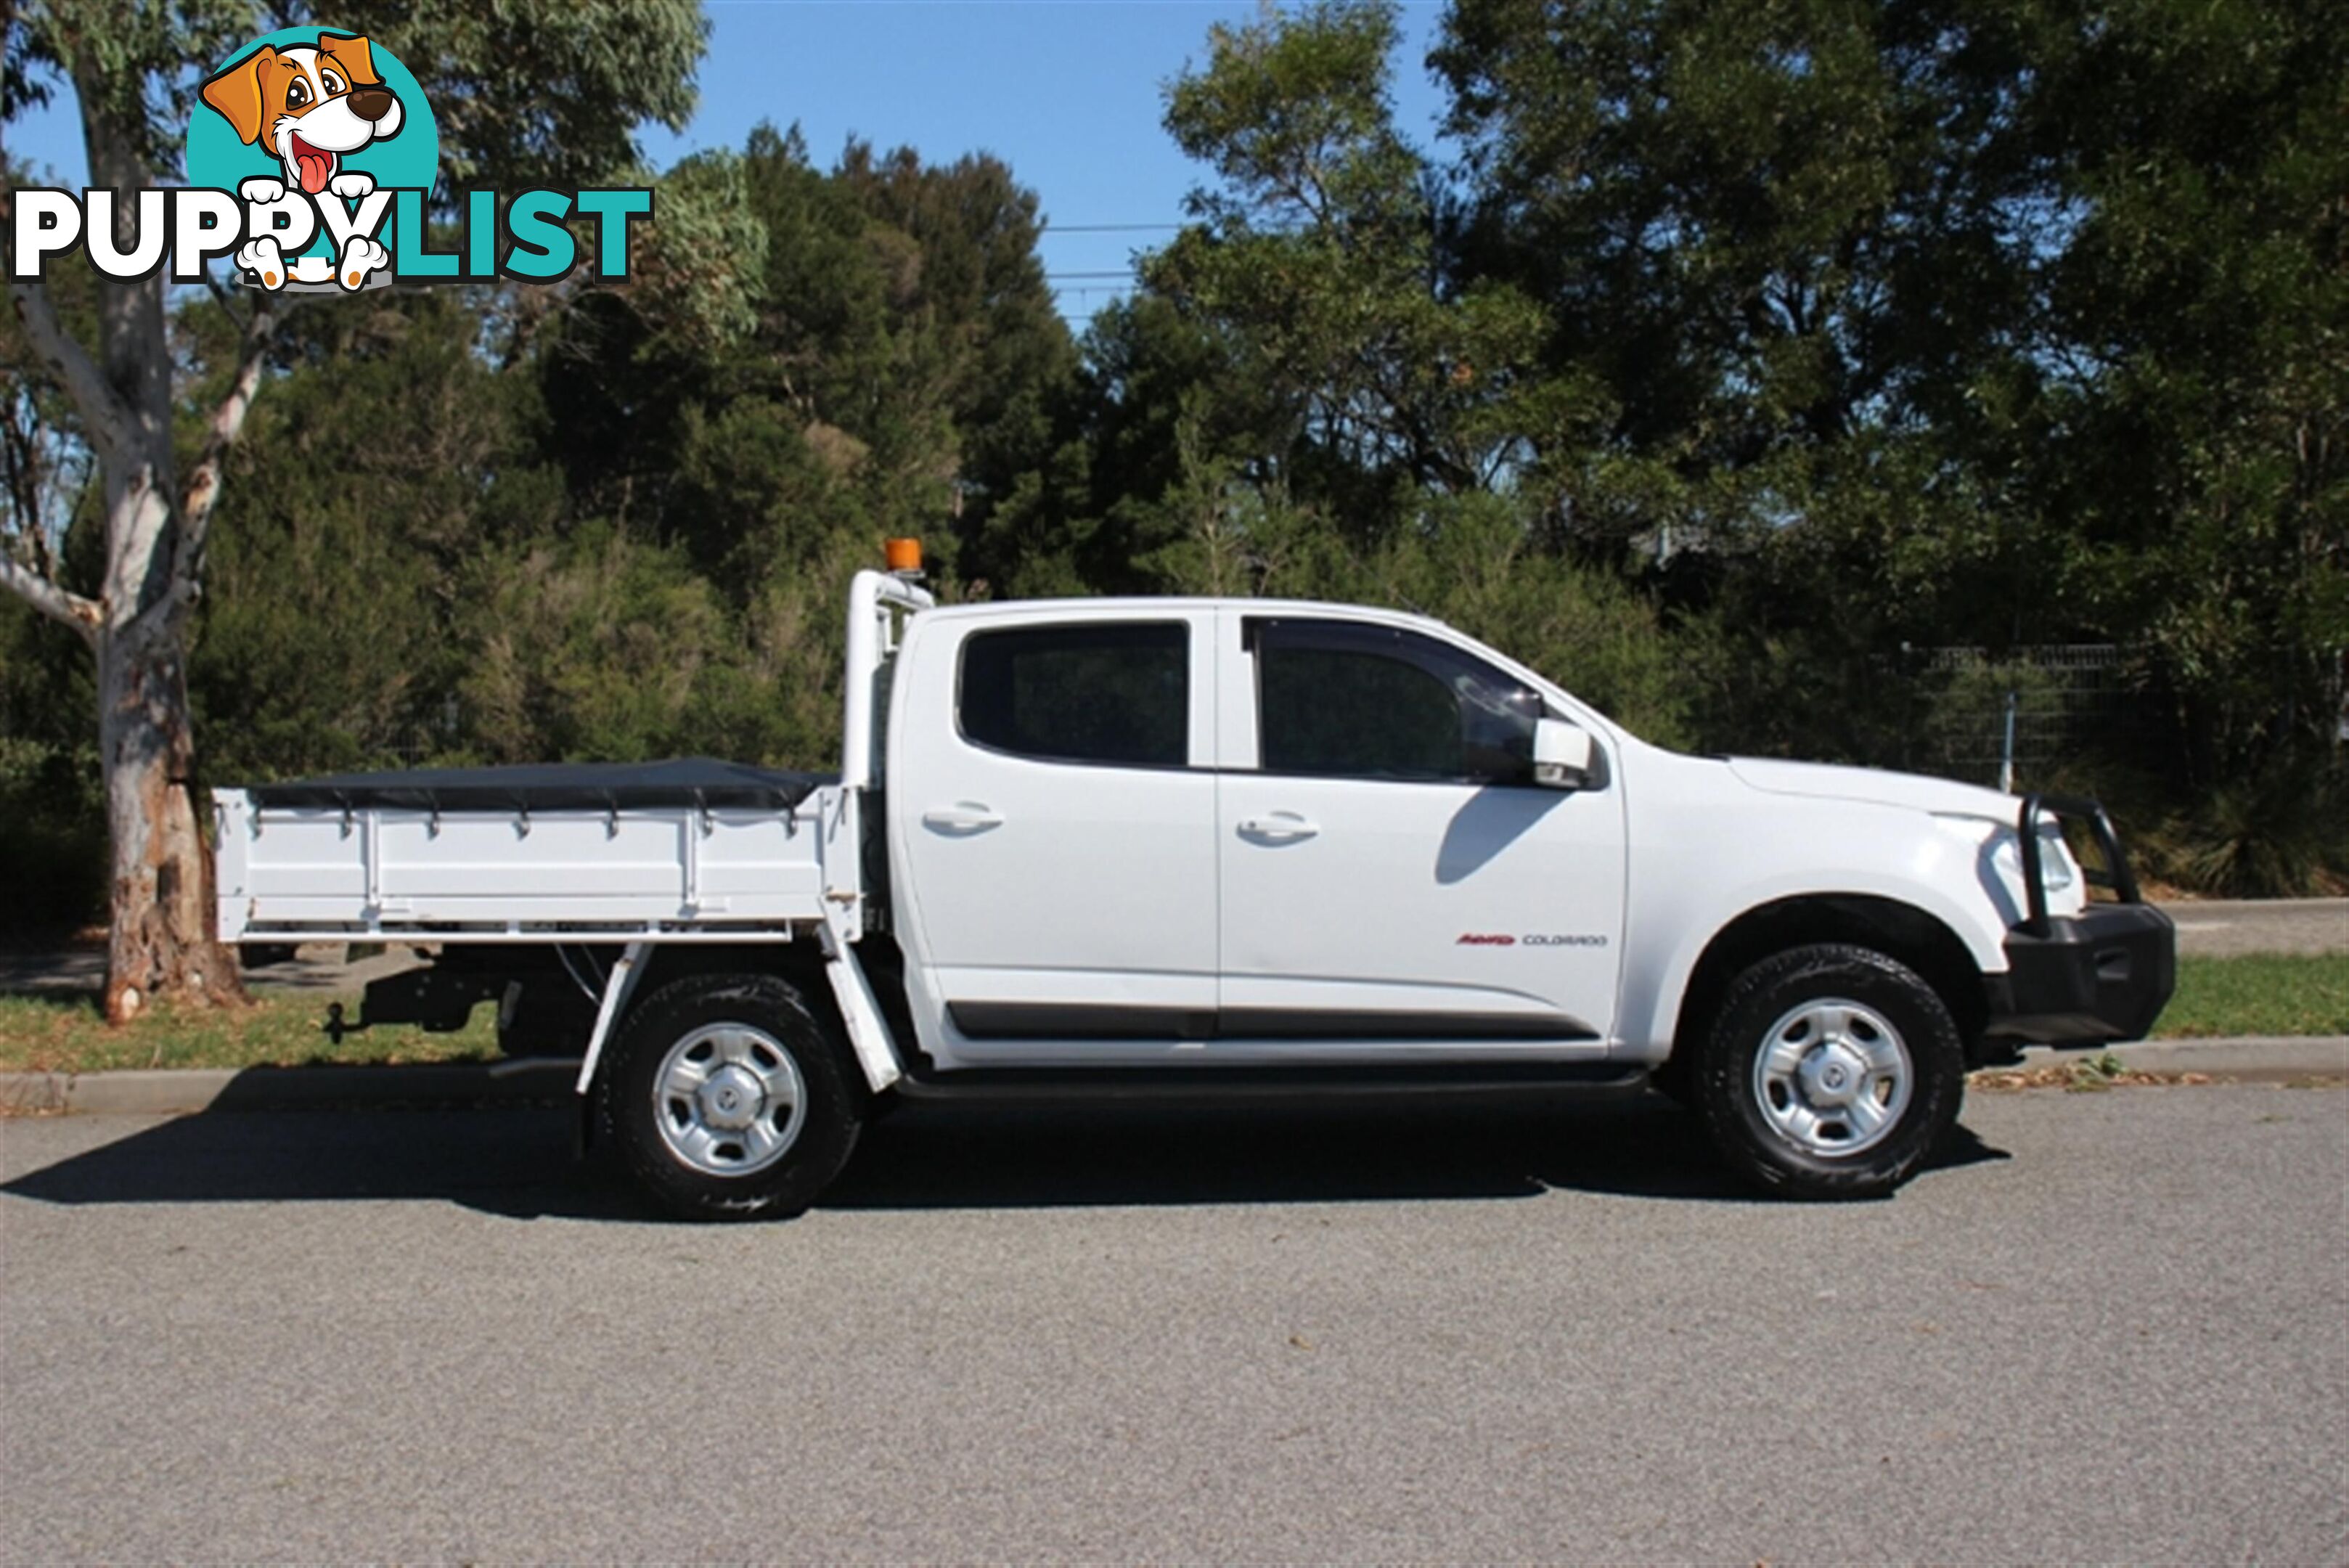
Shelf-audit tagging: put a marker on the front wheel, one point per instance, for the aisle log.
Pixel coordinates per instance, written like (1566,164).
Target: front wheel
(1830,1071)
(726,1099)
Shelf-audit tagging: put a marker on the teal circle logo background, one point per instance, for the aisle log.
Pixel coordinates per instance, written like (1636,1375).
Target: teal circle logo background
(410,160)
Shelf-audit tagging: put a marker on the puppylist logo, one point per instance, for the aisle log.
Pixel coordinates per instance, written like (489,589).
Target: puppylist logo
(311,160)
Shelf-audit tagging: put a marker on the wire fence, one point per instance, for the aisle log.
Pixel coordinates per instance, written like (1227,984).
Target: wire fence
(2028,712)
(2025,713)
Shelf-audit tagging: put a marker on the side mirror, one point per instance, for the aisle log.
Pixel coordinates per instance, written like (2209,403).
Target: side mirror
(1563,755)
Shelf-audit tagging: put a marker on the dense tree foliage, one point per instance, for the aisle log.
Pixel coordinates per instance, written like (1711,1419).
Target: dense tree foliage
(1978,322)
(1717,362)
(613,531)
(1792,337)
(134,73)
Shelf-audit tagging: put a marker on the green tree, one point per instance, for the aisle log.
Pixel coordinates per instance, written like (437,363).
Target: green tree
(2189,436)
(1307,398)
(1318,249)
(1942,322)
(133,74)
(1159,393)
(391,456)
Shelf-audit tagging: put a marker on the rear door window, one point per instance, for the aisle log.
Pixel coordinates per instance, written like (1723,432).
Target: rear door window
(1115,694)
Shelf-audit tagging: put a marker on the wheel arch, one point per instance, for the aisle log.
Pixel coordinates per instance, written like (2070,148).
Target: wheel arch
(799,962)
(802,963)
(873,1055)
(1914,937)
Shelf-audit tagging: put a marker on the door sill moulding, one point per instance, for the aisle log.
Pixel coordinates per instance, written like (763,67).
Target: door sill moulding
(1405,1081)
(1092,1021)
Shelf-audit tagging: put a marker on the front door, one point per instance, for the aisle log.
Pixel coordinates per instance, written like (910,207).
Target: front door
(1390,871)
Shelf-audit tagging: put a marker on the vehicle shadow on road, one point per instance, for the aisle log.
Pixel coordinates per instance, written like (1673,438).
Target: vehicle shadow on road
(515,1160)
(1064,1155)
(518,1161)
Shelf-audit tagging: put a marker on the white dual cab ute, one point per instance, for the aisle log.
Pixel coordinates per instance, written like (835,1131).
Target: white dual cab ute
(1208,848)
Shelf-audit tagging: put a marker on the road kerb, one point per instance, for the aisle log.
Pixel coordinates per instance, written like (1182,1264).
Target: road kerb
(2259,1058)
(166,1092)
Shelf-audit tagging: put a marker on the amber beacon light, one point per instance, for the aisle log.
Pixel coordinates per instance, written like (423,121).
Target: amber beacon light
(904,554)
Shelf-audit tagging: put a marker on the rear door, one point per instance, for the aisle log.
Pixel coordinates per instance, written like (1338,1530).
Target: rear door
(1053,829)
(1392,877)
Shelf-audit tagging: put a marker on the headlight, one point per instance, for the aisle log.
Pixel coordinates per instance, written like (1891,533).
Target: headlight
(2055,864)
(2057,870)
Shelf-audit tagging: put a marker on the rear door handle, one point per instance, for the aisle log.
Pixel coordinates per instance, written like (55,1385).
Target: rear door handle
(1277,827)
(964,817)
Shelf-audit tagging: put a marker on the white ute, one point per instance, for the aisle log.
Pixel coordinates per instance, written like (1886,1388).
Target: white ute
(1200,846)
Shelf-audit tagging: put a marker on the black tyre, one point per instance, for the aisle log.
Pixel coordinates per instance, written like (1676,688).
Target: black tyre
(1829,1071)
(728,1099)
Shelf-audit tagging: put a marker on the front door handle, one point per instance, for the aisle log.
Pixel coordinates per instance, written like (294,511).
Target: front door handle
(1277,827)
(964,817)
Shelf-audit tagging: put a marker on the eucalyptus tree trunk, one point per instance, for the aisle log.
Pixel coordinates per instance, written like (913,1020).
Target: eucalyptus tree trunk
(622,62)
(164,934)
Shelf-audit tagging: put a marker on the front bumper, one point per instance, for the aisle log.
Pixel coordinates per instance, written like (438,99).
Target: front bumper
(2102,975)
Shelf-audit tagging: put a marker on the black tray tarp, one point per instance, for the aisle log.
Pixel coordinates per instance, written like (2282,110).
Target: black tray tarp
(555,786)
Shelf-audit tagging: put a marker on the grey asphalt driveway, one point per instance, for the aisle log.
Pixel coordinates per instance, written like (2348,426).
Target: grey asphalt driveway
(2117,1329)
(2222,929)
(326,968)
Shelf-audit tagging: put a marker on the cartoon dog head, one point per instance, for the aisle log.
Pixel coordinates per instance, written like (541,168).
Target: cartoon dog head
(307,106)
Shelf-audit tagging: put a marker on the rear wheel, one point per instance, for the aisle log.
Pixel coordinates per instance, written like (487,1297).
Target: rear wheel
(727,1098)
(1830,1071)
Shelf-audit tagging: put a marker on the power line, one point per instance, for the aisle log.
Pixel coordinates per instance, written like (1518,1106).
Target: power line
(1052,228)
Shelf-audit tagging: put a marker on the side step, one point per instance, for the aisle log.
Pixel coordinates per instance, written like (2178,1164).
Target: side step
(1229,1084)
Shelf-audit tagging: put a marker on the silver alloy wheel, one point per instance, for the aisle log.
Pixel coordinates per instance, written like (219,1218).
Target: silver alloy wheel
(1833,1076)
(729,1099)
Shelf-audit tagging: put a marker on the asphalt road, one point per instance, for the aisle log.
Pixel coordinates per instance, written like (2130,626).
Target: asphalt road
(2117,1328)
(2224,928)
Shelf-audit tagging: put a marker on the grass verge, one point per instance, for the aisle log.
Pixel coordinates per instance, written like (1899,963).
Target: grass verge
(66,1034)
(2258,994)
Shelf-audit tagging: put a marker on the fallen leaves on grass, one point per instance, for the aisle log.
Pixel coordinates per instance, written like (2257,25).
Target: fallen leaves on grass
(2079,1077)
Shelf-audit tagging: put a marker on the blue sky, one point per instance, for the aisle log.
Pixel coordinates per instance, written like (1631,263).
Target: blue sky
(1066,91)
